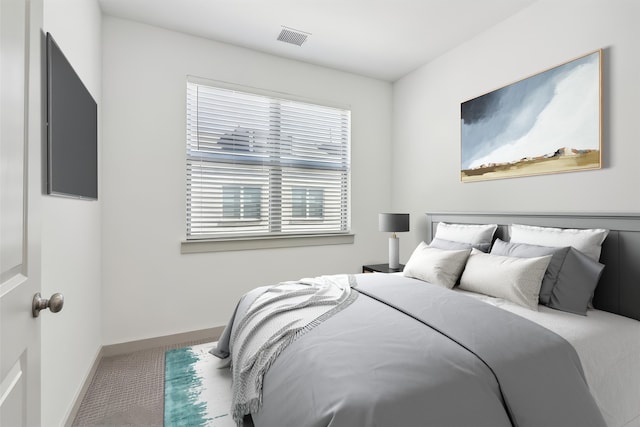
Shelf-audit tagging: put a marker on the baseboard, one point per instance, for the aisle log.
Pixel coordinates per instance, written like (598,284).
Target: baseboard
(83,390)
(211,334)
(129,347)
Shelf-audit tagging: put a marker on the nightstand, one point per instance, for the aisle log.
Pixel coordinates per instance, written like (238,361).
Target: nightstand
(381,268)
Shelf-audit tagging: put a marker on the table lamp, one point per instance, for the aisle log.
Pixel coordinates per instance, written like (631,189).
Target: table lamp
(394,223)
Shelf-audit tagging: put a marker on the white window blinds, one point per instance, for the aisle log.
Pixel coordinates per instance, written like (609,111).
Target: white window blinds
(264,166)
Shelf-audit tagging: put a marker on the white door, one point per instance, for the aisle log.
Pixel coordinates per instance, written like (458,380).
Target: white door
(20,192)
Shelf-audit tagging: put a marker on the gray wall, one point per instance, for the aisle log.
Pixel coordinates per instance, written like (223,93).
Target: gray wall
(426,114)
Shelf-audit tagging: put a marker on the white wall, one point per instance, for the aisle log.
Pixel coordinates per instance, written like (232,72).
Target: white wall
(426,114)
(149,288)
(71,230)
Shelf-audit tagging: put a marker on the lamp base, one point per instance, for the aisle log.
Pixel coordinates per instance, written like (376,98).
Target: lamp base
(394,252)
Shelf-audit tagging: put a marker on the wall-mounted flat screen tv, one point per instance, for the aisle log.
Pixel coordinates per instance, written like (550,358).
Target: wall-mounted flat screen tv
(72,130)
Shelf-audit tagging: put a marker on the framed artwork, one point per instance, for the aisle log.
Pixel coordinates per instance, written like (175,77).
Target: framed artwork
(547,123)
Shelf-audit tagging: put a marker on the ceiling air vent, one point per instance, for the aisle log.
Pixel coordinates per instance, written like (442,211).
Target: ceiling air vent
(289,35)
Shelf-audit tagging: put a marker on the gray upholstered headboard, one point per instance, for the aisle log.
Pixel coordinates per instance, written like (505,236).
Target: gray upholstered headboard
(619,288)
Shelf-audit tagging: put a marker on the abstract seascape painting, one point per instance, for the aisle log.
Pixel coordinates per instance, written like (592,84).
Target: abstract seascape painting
(546,123)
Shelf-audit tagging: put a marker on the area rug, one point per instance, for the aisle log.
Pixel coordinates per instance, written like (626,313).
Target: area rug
(197,390)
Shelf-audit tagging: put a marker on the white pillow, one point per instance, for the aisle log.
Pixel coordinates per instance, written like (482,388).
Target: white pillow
(587,241)
(467,233)
(515,279)
(438,266)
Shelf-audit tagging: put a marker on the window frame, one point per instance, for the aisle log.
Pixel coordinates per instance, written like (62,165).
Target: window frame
(274,239)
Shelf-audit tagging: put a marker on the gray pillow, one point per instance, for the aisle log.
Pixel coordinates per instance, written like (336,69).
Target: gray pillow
(571,277)
(576,283)
(524,250)
(450,245)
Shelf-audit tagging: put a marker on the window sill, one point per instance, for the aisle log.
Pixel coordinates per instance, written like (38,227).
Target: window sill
(249,243)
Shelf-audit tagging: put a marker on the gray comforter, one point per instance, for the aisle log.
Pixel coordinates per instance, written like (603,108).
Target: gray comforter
(407,353)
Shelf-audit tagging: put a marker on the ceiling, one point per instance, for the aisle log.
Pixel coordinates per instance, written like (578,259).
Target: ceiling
(384,39)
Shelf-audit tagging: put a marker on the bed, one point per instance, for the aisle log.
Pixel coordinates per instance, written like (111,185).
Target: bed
(397,350)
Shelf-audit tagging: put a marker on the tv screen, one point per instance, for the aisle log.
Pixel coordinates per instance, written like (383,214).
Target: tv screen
(72,130)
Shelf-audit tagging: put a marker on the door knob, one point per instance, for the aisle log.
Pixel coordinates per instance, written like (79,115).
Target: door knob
(54,303)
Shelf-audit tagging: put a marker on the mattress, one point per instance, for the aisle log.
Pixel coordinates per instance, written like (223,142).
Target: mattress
(609,349)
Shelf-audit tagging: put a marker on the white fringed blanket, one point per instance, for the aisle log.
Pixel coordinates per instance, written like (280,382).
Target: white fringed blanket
(275,319)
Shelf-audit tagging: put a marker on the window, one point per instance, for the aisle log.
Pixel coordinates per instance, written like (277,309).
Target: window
(241,202)
(260,165)
(307,202)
